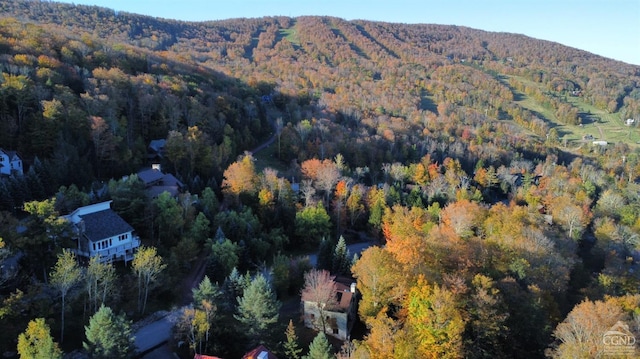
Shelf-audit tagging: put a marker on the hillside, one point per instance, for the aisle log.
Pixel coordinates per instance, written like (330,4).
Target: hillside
(390,79)
(467,156)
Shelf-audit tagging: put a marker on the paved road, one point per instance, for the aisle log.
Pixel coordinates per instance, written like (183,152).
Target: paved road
(155,334)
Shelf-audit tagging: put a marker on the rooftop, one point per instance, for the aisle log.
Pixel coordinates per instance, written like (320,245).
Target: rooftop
(104,224)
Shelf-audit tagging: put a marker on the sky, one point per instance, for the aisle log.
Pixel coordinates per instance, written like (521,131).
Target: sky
(610,28)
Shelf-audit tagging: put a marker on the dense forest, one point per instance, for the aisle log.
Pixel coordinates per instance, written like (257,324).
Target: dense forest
(496,174)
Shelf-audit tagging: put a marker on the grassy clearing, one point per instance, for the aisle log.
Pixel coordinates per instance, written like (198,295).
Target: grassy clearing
(268,157)
(291,35)
(598,123)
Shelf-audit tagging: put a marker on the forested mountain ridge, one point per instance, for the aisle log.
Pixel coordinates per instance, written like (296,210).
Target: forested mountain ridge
(360,72)
(468,154)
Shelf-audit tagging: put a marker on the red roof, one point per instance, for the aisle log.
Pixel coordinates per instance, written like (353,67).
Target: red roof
(254,354)
(200,356)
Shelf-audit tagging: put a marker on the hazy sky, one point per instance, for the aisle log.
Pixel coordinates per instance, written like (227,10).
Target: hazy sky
(610,28)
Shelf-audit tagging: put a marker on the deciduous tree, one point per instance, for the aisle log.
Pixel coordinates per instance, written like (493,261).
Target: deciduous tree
(99,282)
(379,281)
(240,177)
(312,224)
(435,321)
(146,265)
(581,334)
(36,342)
(226,254)
(168,218)
(320,290)
(66,275)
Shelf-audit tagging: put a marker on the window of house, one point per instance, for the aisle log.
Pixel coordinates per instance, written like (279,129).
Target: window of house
(94,246)
(110,242)
(336,330)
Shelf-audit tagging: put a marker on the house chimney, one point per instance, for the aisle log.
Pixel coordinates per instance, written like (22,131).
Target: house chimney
(156,167)
(353,287)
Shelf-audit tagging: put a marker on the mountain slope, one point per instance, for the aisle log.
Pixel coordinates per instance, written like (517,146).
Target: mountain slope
(360,83)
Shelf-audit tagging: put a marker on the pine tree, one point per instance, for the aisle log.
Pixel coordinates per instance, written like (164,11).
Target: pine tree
(257,308)
(36,342)
(232,288)
(341,261)
(319,348)
(206,291)
(291,348)
(325,254)
(108,335)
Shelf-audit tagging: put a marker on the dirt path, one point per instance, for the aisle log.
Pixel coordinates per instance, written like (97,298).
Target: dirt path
(601,133)
(265,144)
(193,279)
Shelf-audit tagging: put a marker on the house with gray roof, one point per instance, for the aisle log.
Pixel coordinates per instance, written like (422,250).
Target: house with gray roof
(155,182)
(155,151)
(101,232)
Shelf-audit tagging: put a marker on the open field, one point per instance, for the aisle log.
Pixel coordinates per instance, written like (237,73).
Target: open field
(598,123)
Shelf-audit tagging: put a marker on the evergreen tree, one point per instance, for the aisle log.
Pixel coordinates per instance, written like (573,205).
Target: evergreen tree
(325,255)
(319,348)
(291,348)
(200,229)
(36,342)
(232,288)
(206,291)
(341,261)
(257,308)
(108,335)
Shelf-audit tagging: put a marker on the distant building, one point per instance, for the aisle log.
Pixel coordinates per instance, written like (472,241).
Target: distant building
(600,143)
(339,319)
(99,231)
(156,182)
(155,151)
(10,163)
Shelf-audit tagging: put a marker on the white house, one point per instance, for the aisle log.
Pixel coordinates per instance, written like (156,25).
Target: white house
(102,232)
(339,319)
(10,162)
